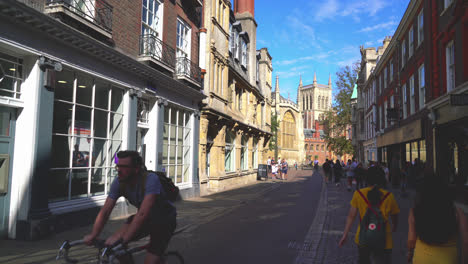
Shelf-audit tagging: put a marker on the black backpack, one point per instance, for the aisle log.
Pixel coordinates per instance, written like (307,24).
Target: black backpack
(372,225)
(171,191)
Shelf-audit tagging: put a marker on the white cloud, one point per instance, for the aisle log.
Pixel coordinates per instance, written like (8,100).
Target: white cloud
(347,62)
(379,26)
(355,9)
(316,57)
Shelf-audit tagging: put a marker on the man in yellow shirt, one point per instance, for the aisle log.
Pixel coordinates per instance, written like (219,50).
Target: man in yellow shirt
(388,208)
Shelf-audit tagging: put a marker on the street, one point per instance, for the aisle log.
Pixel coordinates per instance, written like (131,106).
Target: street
(295,221)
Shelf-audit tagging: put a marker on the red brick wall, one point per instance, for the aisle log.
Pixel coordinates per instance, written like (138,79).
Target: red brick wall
(126,25)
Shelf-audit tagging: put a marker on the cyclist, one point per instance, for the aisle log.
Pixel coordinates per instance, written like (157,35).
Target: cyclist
(156,215)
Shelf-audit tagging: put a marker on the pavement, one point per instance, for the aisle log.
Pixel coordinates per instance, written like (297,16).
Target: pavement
(320,245)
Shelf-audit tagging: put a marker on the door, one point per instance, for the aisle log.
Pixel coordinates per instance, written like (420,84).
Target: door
(7,135)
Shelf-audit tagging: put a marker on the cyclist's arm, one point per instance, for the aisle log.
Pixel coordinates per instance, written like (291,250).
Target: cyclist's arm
(102,217)
(140,217)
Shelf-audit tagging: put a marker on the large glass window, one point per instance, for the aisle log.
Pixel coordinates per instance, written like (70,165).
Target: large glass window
(183,39)
(420,27)
(230,152)
(11,69)
(422,150)
(86,134)
(288,131)
(176,144)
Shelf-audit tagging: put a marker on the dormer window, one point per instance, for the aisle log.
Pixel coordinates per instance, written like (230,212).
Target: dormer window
(243,49)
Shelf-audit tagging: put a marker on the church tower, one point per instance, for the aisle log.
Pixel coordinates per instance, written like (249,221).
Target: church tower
(299,95)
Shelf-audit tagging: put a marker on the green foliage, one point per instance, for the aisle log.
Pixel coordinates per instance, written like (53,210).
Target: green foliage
(274,131)
(338,121)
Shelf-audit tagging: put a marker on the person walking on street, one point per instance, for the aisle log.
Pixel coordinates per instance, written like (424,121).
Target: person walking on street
(284,170)
(349,174)
(435,225)
(376,207)
(338,172)
(295,165)
(359,173)
(327,170)
(269,164)
(274,169)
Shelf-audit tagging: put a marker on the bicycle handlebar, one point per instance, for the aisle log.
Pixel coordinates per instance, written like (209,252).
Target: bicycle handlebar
(63,251)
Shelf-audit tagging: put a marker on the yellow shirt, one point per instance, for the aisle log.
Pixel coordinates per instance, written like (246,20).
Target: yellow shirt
(388,207)
(435,254)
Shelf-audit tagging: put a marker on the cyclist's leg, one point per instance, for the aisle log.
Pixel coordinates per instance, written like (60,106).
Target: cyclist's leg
(159,240)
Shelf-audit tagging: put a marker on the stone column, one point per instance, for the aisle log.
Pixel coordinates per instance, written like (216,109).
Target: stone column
(217,153)
(204,124)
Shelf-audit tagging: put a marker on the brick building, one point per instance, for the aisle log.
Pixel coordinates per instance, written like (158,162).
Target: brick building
(81,80)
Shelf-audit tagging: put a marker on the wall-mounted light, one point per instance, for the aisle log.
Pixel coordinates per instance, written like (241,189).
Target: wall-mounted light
(162,101)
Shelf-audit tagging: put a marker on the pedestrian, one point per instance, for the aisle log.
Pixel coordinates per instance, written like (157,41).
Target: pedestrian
(269,164)
(436,226)
(386,171)
(327,170)
(359,176)
(284,170)
(338,172)
(376,207)
(295,165)
(349,175)
(274,169)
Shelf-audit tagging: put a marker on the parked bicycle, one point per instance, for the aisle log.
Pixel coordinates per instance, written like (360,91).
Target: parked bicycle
(111,254)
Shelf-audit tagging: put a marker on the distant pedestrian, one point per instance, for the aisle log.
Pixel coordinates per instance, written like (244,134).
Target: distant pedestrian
(284,170)
(295,164)
(274,169)
(359,174)
(338,172)
(436,226)
(327,170)
(349,174)
(376,207)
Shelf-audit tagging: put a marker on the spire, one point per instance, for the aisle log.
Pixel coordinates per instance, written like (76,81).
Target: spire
(329,79)
(315,79)
(277,85)
(300,80)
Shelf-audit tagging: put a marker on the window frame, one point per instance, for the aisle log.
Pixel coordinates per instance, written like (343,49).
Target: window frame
(422,88)
(420,27)
(450,65)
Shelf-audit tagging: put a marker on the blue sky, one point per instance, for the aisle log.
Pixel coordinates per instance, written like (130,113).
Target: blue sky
(307,36)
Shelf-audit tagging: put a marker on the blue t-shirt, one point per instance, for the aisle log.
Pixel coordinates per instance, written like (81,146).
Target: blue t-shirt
(162,209)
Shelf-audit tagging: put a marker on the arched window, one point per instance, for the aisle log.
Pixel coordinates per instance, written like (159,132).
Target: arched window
(288,131)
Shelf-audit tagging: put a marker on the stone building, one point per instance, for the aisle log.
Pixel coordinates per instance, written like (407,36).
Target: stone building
(235,128)
(314,102)
(290,133)
(81,80)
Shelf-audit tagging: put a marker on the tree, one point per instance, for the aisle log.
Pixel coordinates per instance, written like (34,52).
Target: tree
(274,131)
(338,121)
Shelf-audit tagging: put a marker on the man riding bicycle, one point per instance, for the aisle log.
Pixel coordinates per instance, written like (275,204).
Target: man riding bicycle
(156,215)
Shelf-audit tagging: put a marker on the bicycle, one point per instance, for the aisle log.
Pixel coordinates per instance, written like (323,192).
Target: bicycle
(110,254)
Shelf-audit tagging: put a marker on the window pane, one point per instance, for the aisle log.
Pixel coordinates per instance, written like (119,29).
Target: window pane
(81,148)
(166,134)
(181,118)
(180,152)
(179,174)
(58,185)
(82,121)
(186,172)
(116,123)
(164,154)
(116,101)
(172,153)
(84,90)
(7,83)
(64,85)
(99,153)
(114,147)
(98,180)
(60,152)
(174,116)
(101,95)
(79,183)
(62,118)
(112,174)
(166,115)
(172,131)
(180,135)
(4,121)
(172,173)
(100,123)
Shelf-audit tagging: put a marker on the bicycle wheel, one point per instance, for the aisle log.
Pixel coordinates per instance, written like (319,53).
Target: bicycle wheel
(173,257)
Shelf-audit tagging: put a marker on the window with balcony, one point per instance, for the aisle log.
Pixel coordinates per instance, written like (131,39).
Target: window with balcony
(183,39)
(420,27)
(422,89)
(450,65)
(410,42)
(151,18)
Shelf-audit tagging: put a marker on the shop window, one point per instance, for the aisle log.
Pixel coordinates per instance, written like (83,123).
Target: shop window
(11,69)
(177,144)
(230,152)
(422,150)
(414,151)
(86,135)
(408,152)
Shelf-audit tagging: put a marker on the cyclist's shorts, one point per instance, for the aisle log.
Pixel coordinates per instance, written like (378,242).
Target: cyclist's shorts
(160,234)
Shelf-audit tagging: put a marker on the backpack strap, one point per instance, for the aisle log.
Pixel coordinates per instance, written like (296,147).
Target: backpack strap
(383,199)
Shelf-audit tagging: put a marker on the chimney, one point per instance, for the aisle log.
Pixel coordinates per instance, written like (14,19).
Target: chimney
(241,6)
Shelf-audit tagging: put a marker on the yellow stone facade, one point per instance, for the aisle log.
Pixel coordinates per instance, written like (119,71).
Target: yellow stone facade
(235,117)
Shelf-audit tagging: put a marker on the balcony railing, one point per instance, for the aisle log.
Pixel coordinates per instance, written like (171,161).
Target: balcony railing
(185,67)
(151,46)
(98,12)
